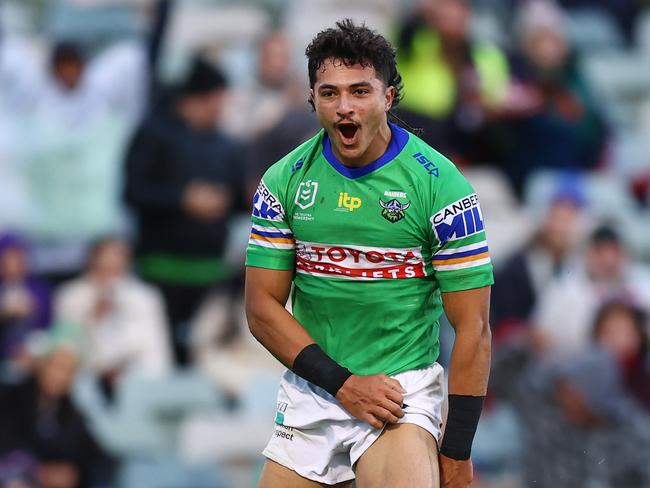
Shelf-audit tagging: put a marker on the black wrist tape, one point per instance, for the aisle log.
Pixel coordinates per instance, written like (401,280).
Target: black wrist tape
(462,420)
(318,368)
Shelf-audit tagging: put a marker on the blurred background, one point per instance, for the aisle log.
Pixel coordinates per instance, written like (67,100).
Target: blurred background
(132,136)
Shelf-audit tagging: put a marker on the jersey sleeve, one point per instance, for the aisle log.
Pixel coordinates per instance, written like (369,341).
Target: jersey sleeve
(460,254)
(271,243)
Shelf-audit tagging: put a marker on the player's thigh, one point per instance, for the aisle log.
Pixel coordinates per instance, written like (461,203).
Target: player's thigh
(274,475)
(404,456)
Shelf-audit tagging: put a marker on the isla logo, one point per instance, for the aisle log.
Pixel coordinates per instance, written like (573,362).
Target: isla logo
(348,203)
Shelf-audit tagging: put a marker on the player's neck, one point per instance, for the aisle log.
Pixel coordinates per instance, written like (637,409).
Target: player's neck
(375,150)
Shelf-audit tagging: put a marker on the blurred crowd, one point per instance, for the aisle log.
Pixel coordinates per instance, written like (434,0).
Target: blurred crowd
(132,137)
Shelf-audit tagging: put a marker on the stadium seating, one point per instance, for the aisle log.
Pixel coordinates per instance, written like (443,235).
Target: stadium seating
(591,29)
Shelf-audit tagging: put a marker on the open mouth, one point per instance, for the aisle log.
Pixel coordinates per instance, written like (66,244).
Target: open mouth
(348,131)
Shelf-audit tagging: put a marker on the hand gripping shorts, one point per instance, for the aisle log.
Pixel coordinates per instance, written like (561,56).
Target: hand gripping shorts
(318,439)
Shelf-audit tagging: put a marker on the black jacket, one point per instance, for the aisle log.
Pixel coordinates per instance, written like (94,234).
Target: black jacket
(56,434)
(165,155)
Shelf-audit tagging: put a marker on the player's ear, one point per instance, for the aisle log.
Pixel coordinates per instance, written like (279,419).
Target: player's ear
(389,96)
(311,99)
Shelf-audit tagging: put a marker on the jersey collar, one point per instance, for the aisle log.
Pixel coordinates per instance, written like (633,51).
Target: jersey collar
(397,142)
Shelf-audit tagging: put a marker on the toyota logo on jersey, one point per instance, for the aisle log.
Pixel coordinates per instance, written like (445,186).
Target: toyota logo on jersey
(359,262)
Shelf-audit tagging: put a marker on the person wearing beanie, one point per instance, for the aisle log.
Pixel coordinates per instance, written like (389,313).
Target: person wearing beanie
(184,179)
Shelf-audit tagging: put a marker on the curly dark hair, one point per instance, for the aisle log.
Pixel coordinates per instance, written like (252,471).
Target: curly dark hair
(354,44)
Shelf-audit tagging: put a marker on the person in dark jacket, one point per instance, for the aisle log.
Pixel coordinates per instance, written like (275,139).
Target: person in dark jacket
(25,302)
(44,436)
(183,180)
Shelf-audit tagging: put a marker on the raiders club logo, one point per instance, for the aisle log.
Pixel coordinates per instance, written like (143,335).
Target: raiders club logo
(393,211)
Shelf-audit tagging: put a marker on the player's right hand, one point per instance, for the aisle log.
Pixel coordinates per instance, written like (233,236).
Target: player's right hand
(375,399)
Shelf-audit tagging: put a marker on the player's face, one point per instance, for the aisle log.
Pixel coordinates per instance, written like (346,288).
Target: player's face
(351,104)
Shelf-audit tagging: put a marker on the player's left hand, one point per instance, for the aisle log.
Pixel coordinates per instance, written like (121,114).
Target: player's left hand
(455,474)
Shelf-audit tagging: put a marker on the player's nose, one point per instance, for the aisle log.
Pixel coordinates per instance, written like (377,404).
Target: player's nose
(345,106)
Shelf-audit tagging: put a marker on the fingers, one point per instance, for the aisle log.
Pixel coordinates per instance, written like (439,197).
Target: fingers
(383,415)
(395,397)
(388,410)
(395,385)
(374,421)
(394,408)
(375,399)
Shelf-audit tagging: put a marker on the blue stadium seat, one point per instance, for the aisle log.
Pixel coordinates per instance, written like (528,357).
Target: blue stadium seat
(92,25)
(148,412)
(619,83)
(172,395)
(592,29)
(607,197)
(171,473)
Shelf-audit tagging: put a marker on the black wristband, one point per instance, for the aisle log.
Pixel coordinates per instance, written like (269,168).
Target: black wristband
(462,420)
(318,368)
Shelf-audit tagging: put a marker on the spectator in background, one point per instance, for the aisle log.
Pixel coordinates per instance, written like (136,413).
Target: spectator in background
(259,104)
(567,309)
(270,112)
(454,86)
(184,181)
(227,353)
(580,427)
(624,13)
(120,320)
(67,69)
(561,126)
(24,302)
(526,274)
(622,329)
(78,112)
(78,90)
(39,422)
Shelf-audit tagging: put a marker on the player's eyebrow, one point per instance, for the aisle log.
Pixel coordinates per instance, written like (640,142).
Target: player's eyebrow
(359,84)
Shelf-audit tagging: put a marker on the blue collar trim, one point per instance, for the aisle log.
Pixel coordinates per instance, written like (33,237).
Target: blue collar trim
(397,142)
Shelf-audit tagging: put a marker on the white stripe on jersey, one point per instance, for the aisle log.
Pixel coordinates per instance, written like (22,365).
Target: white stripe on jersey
(272,245)
(262,228)
(468,264)
(469,247)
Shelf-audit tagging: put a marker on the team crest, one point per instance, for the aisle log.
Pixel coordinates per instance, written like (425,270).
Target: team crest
(306,194)
(393,211)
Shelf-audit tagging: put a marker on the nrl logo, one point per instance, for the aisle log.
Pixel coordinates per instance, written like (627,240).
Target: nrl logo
(393,211)
(306,194)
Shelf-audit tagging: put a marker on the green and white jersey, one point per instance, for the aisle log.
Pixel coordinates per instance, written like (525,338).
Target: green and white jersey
(372,248)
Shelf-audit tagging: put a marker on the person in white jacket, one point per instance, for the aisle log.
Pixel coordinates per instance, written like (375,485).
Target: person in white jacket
(562,322)
(119,320)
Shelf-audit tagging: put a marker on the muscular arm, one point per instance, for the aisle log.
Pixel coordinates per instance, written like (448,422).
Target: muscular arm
(267,291)
(374,399)
(469,367)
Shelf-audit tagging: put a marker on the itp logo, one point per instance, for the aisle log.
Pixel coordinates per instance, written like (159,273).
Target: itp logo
(348,203)
(306,194)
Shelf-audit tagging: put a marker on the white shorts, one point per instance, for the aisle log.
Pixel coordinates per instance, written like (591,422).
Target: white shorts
(318,439)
